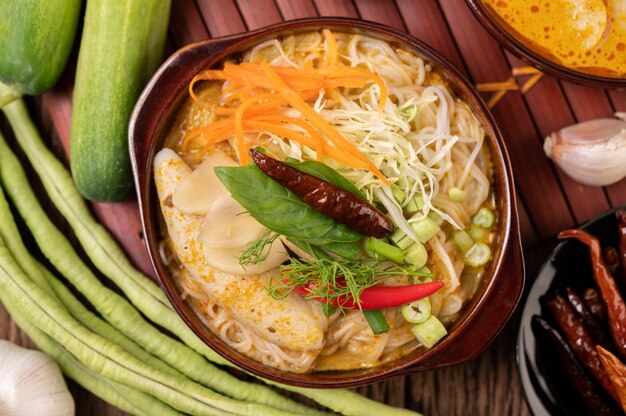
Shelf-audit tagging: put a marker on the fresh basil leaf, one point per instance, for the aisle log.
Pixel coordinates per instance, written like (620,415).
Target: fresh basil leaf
(279,209)
(320,251)
(345,250)
(328,174)
(310,249)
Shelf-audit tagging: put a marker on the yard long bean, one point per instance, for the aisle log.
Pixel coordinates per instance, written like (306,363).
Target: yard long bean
(107,358)
(113,307)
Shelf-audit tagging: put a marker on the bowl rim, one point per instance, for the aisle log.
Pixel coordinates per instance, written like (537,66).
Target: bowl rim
(509,253)
(506,38)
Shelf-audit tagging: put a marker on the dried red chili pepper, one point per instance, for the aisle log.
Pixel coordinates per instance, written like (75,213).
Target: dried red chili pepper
(611,258)
(592,398)
(580,342)
(595,306)
(377,297)
(616,309)
(589,322)
(324,197)
(616,371)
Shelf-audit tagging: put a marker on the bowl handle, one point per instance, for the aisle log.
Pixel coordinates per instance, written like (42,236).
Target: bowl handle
(511,280)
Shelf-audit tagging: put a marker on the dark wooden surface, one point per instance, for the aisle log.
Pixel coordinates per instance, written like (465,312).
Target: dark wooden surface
(548,200)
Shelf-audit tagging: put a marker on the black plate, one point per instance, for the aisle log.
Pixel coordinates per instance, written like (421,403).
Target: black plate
(546,390)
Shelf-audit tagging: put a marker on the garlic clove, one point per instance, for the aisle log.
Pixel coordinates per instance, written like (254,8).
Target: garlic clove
(592,152)
(31,383)
(196,192)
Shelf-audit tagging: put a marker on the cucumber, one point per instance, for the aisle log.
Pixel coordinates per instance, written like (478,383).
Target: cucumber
(36,38)
(121,47)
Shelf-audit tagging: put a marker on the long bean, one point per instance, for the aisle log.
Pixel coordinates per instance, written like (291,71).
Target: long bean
(144,294)
(125,398)
(11,235)
(47,281)
(115,308)
(109,359)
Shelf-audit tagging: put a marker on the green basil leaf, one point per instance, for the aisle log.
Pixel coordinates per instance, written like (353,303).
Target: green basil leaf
(345,250)
(279,209)
(320,251)
(311,249)
(328,174)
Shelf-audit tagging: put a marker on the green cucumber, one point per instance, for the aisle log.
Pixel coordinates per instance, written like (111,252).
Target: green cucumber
(121,47)
(36,38)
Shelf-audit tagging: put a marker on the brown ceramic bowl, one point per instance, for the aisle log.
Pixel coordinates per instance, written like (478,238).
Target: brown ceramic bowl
(481,318)
(514,41)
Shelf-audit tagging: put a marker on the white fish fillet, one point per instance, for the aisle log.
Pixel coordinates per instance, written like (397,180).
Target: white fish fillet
(289,323)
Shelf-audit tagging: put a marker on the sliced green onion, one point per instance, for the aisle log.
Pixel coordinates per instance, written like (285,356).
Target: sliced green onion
(438,219)
(462,240)
(377,321)
(400,239)
(416,255)
(478,255)
(422,279)
(409,112)
(422,275)
(477,233)
(398,194)
(377,248)
(484,218)
(456,194)
(425,228)
(430,331)
(417,312)
(415,204)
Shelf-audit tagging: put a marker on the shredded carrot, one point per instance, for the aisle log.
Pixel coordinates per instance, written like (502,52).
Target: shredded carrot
(318,140)
(348,82)
(350,71)
(531,82)
(525,70)
(331,43)
(281,131)
(256,91)
(508,85)
(314,118)
(347,159)
(495,98)
(208,75)
(226,129)
(244,158)
(205,132)
(251,74)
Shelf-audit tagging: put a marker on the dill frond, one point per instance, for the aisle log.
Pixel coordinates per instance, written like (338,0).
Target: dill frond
(258,250)
(333,278)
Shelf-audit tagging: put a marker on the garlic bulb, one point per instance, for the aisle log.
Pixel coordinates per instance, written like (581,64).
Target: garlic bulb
(31,383)
(593,152)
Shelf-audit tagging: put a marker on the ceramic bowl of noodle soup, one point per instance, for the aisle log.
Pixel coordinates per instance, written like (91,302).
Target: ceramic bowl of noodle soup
(293,278)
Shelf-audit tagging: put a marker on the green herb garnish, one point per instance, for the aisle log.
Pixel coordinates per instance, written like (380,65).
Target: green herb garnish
(333,278)
(258,250)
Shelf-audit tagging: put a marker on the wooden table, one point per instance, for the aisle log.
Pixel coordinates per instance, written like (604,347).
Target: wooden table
(548,200)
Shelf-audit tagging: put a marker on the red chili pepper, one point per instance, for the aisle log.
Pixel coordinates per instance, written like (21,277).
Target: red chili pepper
(595,306)
(377,297)
(616,309)
(580,341)
(594,401)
